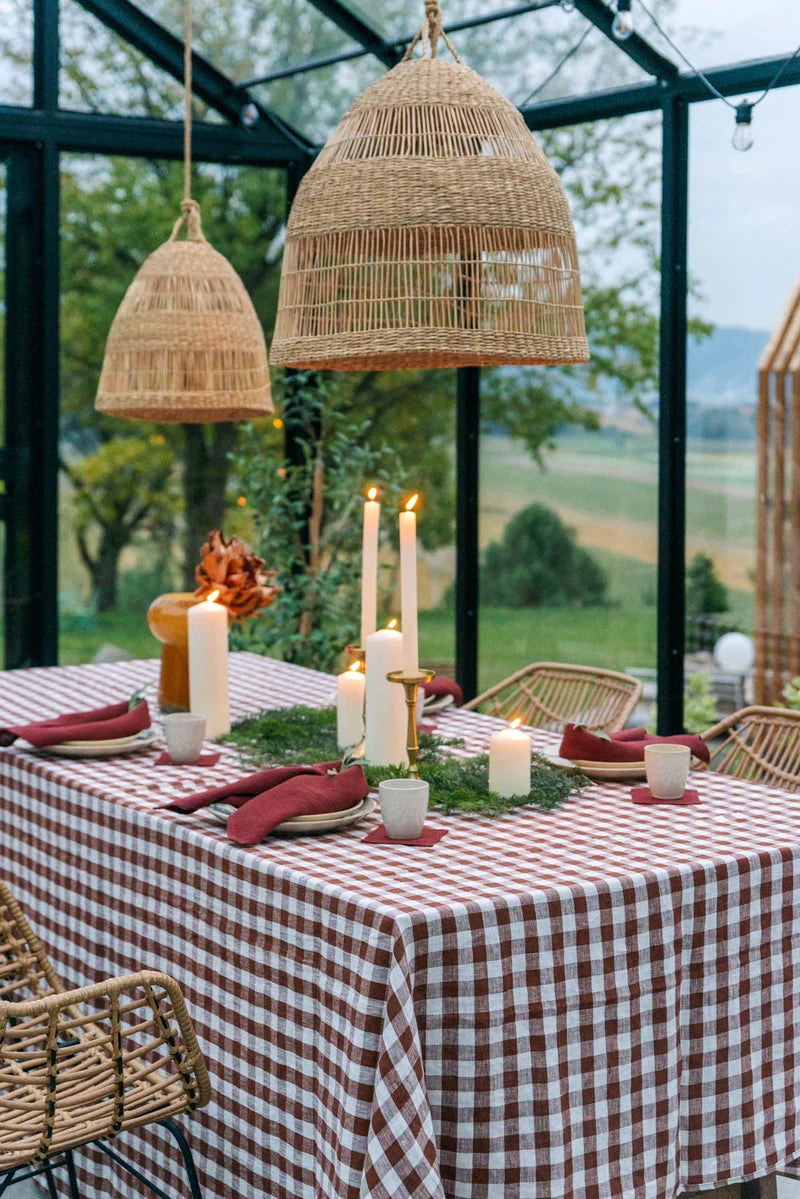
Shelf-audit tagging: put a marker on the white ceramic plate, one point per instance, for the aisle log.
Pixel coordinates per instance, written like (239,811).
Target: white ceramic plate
(102,749)
(622,772)
(437,703)
(301,825)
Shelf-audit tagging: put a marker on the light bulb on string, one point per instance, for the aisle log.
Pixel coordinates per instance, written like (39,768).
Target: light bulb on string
(568,5)
(622,25)
(742,131)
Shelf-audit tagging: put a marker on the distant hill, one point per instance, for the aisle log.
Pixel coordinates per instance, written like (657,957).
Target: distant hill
(721,370)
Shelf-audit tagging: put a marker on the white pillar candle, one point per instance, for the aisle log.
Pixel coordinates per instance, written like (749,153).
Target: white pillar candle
(387,718)
(369,565)
(510,761)
(408,587)
(350,707)
(208,664)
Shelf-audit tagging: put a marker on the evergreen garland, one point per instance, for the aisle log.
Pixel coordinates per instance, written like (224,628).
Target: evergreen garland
(301,735)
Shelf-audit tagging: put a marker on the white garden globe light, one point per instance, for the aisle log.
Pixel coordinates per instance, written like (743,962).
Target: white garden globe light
(734,653)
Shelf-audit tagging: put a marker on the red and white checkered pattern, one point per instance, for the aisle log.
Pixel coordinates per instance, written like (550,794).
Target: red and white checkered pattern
(599,1001)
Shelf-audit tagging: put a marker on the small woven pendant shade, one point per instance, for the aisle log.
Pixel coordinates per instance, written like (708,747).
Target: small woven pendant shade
(186,344)
(431,231)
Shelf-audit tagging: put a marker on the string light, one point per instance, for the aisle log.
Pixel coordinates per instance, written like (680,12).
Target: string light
(622,25)
(568,5)
(742,133)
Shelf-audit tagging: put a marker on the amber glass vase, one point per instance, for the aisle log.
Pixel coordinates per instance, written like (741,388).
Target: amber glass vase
(168,620)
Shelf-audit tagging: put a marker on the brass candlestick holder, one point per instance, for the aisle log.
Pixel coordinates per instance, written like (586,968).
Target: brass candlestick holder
(357,653)
(411,683)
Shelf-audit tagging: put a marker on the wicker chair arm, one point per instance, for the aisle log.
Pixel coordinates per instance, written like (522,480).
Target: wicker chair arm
(67,1020)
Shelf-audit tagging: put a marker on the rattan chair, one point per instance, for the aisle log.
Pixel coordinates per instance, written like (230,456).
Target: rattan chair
(549,695)
(78,1067)
(761,745)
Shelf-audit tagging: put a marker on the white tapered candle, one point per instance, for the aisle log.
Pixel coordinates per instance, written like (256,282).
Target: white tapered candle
(408,587)
(369,565)
(208,664)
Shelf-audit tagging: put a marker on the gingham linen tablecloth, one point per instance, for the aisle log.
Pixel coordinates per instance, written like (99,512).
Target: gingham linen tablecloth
(594,1002)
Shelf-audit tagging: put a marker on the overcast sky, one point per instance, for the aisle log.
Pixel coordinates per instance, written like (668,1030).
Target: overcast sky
(744,231)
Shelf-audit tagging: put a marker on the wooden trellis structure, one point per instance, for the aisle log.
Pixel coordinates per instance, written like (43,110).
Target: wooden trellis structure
(777,617)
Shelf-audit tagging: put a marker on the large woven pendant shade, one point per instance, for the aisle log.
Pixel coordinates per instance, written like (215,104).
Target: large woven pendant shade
(431,231)
(186,344)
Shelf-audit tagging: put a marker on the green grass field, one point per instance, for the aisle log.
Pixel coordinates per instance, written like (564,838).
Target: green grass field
(604,486)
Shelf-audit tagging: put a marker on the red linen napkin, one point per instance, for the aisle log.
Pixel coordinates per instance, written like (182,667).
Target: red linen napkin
(441,686)
(579,744)
(268,797)
(427,838)
(643,795)
(97,724)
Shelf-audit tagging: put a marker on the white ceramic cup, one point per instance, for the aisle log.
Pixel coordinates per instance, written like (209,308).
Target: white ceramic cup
(404,805)
(186,732)
(667,770)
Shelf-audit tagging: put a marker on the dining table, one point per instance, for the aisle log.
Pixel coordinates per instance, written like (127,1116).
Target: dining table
(596,1001)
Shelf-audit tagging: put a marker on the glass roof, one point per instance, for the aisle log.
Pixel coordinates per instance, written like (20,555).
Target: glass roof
(249,39)
(721,32)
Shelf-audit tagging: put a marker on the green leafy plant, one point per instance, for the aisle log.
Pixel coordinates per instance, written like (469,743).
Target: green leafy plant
(700,710)
(307,520)
(791,694)
(300,735)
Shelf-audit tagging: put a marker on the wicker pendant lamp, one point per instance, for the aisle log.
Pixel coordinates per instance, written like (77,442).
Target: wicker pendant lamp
(186,344)
(431,231)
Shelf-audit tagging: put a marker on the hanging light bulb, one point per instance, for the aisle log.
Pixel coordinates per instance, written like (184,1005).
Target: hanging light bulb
(742,131)
(249,115)
(568,5)
(622,25)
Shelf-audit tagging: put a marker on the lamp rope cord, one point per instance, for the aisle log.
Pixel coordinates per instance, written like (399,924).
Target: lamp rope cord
(430,33)
(187,85)
(190,209)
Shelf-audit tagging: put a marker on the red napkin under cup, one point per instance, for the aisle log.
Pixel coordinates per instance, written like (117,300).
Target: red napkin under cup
(427,838)
(579,744)
(96,724)
(265,799)
(643,795)
(209,759)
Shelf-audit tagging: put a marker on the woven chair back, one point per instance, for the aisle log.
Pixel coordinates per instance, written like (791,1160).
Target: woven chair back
(79,1066)
(549,695)
(759,744)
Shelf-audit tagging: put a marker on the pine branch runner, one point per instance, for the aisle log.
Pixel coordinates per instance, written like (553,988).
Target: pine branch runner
(300,735)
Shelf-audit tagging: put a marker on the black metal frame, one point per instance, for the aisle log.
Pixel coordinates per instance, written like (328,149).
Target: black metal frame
(31,140)
(66,1158)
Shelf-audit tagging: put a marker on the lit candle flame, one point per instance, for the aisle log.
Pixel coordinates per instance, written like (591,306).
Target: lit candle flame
(516,722)
(212,597)
(411,503)
(392,623)
(355,666)
(372,494)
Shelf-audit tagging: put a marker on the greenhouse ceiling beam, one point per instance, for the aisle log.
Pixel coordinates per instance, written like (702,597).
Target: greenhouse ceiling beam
(636,47)
(142,137)
(649,97)
(208,83)
(315,64)
(357,28)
